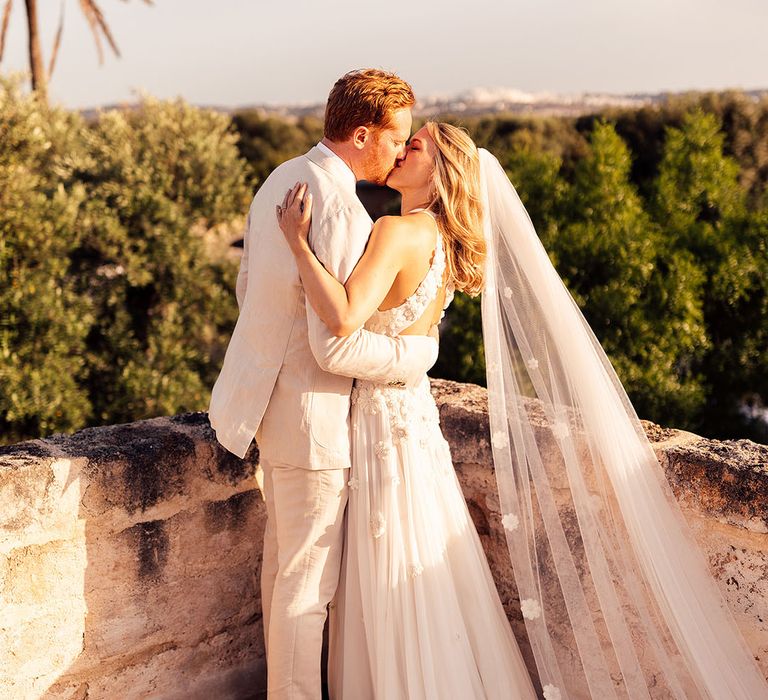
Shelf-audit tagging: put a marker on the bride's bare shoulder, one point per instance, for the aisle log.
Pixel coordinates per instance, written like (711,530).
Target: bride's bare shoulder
(409,232)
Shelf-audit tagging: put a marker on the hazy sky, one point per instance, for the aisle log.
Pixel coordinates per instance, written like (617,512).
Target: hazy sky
(235,52)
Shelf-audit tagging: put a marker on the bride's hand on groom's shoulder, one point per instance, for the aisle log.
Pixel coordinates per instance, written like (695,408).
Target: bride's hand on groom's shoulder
(295,216)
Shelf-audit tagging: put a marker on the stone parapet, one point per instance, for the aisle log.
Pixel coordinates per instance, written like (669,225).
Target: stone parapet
(130,554)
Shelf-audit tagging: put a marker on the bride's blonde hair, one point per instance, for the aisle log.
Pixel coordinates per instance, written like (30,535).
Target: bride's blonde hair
(457,205)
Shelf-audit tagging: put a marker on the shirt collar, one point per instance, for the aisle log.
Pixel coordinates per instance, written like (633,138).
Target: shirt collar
(347,170)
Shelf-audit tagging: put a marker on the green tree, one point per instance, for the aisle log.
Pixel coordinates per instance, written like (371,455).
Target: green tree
(112,307)
(744,124)
(702,208)
(461,355)
(158,178)
(267,141)
(43,320)
(641,297)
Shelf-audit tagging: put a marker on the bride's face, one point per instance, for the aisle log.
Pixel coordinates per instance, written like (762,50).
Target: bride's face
(415,170)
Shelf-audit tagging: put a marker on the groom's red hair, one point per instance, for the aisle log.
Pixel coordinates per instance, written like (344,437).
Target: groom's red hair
(366,97)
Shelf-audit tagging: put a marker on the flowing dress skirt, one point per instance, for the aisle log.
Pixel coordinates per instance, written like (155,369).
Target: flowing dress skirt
(417,614)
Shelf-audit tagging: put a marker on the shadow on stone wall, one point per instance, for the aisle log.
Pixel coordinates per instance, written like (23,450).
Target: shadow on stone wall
(130,558)
(130,554)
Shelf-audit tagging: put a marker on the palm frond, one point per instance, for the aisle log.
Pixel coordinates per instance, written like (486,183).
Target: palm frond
(56,42)
(87,9)
(98,25)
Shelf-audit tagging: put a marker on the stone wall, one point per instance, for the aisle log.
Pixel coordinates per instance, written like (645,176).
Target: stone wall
(129,554)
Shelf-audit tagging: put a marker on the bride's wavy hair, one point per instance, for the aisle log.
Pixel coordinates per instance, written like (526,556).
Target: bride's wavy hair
(457,205)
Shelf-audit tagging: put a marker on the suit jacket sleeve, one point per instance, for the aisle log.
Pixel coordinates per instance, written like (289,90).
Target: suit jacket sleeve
(242,275)
(338,242)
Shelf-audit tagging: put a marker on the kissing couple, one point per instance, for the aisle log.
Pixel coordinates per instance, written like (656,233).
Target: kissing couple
(366,521)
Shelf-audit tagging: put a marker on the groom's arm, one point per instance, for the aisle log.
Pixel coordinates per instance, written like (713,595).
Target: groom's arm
(401,360)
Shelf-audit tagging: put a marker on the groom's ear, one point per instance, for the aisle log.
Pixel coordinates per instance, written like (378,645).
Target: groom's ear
(360,137)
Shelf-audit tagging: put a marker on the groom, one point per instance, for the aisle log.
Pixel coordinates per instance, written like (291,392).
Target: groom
(287,380)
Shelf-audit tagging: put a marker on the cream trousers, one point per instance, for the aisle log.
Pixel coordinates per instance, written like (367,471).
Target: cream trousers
(300,568)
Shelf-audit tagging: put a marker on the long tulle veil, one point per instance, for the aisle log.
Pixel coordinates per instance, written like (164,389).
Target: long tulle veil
(617,598)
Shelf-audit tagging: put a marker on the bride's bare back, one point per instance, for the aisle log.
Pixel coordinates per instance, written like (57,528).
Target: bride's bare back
(421,229)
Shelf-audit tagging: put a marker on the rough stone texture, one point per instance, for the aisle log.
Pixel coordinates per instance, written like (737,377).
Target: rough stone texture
(129,561)
(130,554)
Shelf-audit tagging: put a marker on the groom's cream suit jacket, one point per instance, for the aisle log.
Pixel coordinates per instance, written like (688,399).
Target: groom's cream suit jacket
(284,374)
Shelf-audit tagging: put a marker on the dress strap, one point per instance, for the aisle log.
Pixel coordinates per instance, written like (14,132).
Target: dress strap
(429,211)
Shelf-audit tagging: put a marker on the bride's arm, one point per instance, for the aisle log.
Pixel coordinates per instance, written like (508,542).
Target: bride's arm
(343,308)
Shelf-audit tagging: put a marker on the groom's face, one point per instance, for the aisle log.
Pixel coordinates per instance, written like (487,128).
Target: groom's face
(386,147)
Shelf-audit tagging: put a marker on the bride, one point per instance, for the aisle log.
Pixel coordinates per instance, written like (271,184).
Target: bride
(617,599)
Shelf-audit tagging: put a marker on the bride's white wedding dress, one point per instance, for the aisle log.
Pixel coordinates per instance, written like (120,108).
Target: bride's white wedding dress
(417,612)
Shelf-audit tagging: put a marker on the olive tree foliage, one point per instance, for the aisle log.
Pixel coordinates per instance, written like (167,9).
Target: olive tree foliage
(44,321)
(156,179)
(115,311)
(267,141)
